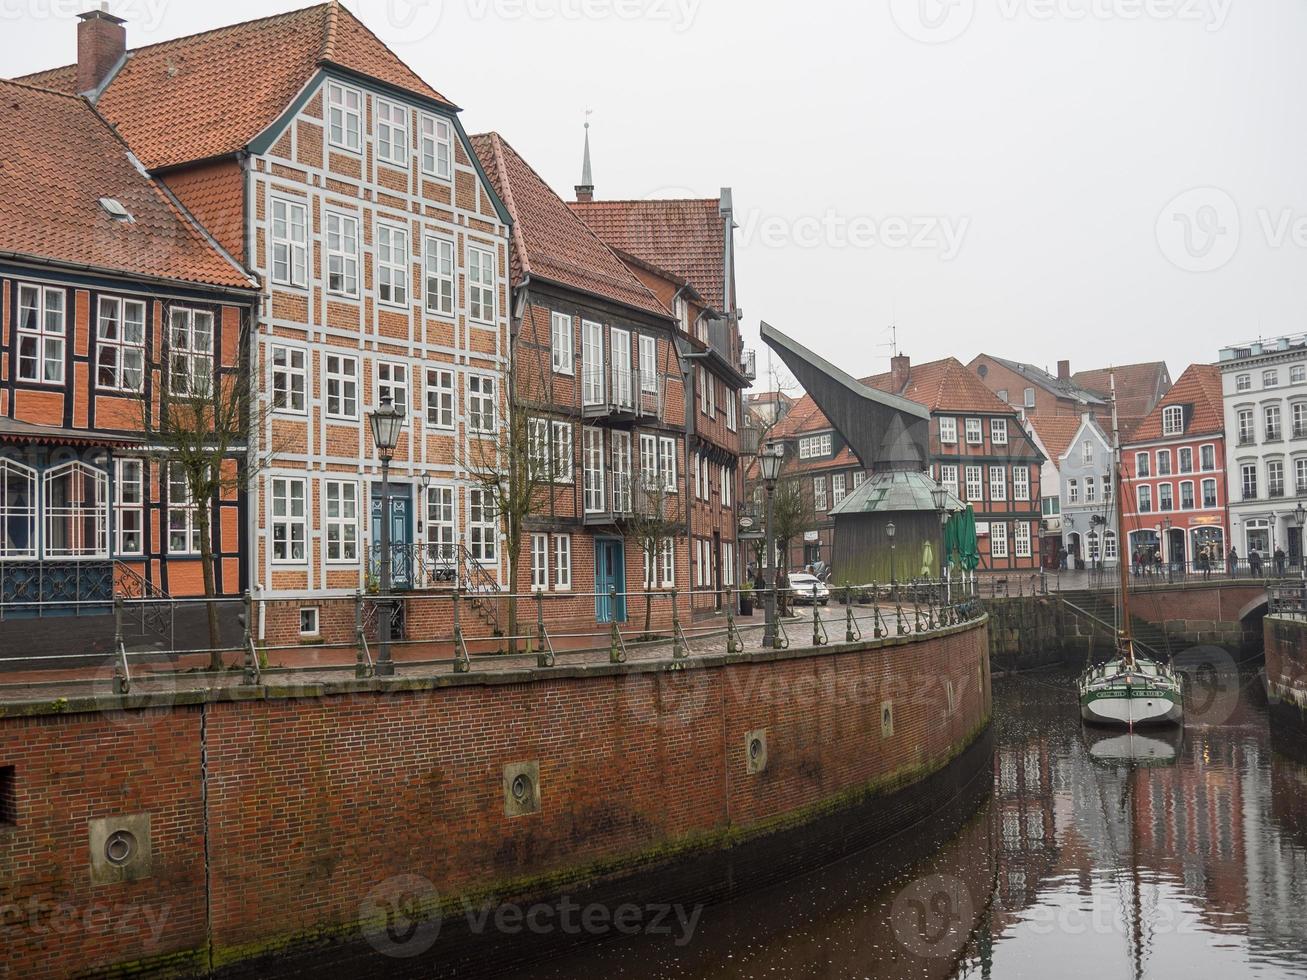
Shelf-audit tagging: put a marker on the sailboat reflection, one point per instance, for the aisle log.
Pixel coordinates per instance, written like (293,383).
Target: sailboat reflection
(1160,747)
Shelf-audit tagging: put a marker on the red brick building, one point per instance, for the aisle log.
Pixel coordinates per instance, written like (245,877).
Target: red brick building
(1175,467)
(110,295)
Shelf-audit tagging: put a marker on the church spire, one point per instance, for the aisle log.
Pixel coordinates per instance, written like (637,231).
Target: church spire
(585,191)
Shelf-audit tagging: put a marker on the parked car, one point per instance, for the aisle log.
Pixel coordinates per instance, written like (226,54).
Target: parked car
(801,586)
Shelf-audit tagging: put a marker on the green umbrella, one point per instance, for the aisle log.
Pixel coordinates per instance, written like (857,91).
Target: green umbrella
(961,537)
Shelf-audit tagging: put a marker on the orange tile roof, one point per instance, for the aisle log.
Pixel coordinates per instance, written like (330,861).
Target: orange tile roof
(210,94)
(945,386)
(1138,387)
(1056,432)
(58,158)
(1199,387)
(684,237)
(551,242)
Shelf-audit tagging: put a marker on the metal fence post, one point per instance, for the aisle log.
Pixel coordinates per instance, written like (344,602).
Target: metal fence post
(545,653)
(251,657)
(678,650)
(462,661)
(616,653)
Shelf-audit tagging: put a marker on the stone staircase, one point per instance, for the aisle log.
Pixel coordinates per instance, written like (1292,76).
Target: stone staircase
(1097,610)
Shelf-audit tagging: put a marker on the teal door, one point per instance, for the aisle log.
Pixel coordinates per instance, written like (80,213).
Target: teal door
(401,535)
(610,577)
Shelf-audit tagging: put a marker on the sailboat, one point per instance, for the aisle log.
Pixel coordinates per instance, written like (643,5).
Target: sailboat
(1130,689)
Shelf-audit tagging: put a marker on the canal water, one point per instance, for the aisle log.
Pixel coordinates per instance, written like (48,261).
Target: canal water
(1095,856)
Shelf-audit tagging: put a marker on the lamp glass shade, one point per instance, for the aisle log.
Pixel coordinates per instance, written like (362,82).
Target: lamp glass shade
(387,422)
(889,530)
(940,496)
(770,460)
(1300,515)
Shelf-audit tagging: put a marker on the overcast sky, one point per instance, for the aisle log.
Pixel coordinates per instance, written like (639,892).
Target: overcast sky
(1101,180)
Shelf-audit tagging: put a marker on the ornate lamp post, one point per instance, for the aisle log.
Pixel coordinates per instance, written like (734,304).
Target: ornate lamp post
(1300,518)
(387,422)
(893,577)
(1166,547)
(769,468)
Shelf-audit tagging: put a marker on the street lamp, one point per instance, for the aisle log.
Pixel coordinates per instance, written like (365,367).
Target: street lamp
(1166,547)
(893,577)
(387,423)
(1300,517)
(769,468)
(940,497)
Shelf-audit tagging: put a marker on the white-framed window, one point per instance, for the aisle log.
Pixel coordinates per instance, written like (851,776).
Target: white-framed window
(667,462)
(442,531)
(1298,374)
(948,475)
(482,410)
(731,398)
(1092,547)
(290,242)
(309,621)
(1164,462)
(698,478)
(1091,490)
(1021,538)
(1165,497)
(41,331)
(1073,491)
(837,484)
(190,351)
(76,511)
(1248,474)
(440,276)
(1243,382)
(562,562)
(649,461)
(289,520)
(975,484)
(728,486)
(561,433)
(1299,411)
(998,539)
(669,563)
(648,361)
(1244,419)
(392,383)
(120,345)
(562,354)
(392,264)
(997,483)
(1275,477)
(183,532)
(1020,483)
(437,147)
(288,379)
(1087,453)
(975,432)
(592,445)
(1143,464)
(1144,498)
(1030,398)
(1209,494)
(1207,458)
(1270,379)
(859,476)
(621,442)
(440,398)
(815,447)
(1186,460)
(342,254)
(128,507)
(539,562)
(1109,546)
(481,284)
(342,386)
(537,448)
(17,510)
(482,526)
(344,116)
(341,520)
(948,430)
(392,132)
(592,363)
(1187,501)
(998,432)
(1274,430)
(1173,420)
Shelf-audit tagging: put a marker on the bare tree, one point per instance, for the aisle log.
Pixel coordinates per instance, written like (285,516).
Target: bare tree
(656,516)
(199,427)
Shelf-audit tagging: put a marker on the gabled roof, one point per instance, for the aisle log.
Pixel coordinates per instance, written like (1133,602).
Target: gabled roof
(210,94)
(1058,387)
(549,241)
(58,158)
(1056,432)
(1090,424)
(944,386)
(1199,391)
(685,237)
(1138,388)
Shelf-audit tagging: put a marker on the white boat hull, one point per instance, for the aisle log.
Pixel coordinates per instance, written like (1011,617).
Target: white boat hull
(1130,695)
(1132,711)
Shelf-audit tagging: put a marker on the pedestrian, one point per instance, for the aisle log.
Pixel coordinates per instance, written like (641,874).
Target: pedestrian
(1134,562)
(1157,562)
(1232,561)
(1062,555)
(1254,563)
(1279,562)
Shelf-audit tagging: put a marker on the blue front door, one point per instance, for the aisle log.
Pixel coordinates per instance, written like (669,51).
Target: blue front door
(610,577)
(401,535)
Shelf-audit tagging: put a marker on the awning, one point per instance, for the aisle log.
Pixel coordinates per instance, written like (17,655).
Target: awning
(14,430)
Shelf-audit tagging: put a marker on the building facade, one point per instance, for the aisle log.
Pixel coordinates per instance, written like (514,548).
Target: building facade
(1175,466)
(1264,392)
(113,305)
(347,184)
(1088,516)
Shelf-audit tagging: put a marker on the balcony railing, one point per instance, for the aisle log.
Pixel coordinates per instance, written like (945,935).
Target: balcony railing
(621,392)
(627,498)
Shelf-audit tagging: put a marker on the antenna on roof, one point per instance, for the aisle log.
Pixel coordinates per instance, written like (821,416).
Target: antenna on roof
(585,191)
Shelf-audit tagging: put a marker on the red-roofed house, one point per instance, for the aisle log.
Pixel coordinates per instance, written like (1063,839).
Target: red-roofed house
(1175,468)
(346,183)
(101,273)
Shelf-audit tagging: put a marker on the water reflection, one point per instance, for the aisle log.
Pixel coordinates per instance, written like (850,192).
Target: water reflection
(1097,856)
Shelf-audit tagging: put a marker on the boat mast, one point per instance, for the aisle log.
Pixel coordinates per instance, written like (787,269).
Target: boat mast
(1126,641)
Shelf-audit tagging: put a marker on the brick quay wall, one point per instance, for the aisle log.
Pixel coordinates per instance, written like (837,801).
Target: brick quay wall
(214,830)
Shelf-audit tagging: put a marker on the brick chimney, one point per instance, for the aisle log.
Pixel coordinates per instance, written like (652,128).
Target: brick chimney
(900,372)
(101,43)
(1063,370)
